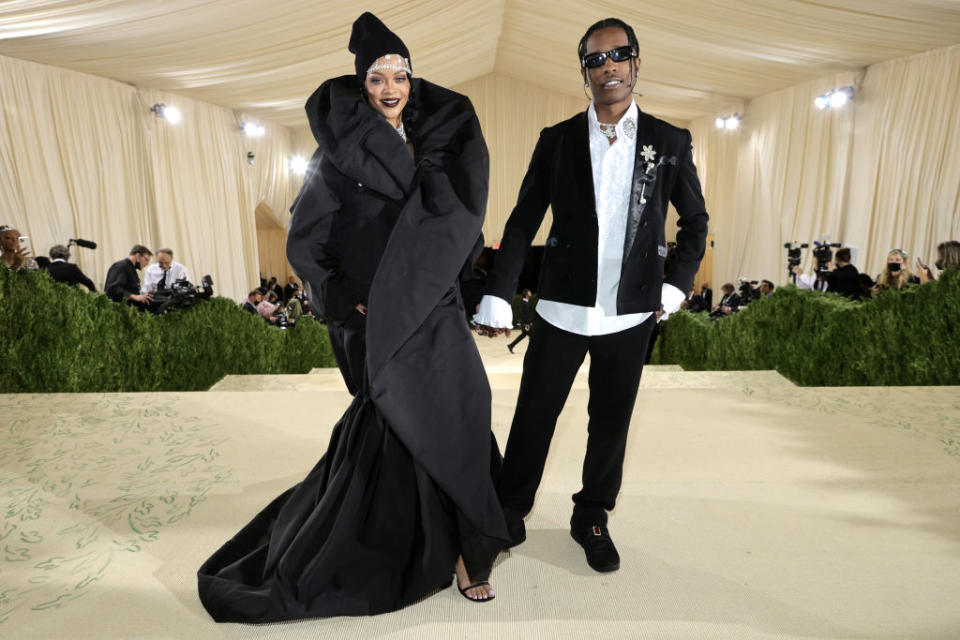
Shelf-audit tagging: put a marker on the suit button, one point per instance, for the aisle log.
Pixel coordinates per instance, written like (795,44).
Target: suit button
(643,287)
(593,279)
(644,255)
(644,224)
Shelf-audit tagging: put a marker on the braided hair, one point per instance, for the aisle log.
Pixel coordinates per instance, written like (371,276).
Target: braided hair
(604,24)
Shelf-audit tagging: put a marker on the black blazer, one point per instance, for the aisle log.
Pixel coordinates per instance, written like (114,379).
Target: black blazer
(560,175)
(69,273)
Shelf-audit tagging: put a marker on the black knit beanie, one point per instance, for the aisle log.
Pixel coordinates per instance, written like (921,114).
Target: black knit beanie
(370,40)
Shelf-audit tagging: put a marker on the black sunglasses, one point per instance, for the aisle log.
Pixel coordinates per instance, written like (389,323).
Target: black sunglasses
(594,60)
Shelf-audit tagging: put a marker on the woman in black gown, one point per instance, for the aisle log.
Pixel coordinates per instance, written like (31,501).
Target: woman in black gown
(387,220)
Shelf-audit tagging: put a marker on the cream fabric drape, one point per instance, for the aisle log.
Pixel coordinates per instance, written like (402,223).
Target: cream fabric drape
(82,156)
(882,173)
(905,175)
(512,113)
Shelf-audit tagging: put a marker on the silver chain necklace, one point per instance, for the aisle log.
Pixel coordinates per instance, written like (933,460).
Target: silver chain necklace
(400,130)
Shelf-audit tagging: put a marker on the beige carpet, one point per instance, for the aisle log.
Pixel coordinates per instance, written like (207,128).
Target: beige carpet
(750,509)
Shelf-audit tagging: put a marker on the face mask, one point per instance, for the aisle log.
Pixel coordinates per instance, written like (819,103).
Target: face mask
(938,264)
(894,267)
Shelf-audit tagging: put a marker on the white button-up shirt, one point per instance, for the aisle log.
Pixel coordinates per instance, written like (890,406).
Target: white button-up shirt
(612,166)
(154,274)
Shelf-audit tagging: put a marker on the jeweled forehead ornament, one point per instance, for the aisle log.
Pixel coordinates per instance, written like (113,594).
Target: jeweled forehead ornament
(390,62)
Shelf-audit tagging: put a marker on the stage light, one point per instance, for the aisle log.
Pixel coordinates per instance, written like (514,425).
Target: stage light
(728,122)
(168,112)
(253,130)
(841,97)
(298,165)
(835,99)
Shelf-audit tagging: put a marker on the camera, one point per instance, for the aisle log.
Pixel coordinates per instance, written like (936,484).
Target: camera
(823,254)
(793,253)
(181,295)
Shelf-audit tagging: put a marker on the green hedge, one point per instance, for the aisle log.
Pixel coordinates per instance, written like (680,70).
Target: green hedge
(56,338)
(909,337)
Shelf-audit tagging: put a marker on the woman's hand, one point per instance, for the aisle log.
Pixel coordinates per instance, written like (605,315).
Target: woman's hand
(924,272)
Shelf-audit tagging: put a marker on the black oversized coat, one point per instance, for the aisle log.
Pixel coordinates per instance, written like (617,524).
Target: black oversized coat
(374,225)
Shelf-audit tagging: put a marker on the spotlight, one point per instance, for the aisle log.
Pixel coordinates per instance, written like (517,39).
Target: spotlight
(253,130)
(298,165)
(168,112)
(836,98)
(728,122)
(841,97)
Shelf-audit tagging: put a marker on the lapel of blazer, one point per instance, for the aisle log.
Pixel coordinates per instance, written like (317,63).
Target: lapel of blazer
(644,179)
(582,165)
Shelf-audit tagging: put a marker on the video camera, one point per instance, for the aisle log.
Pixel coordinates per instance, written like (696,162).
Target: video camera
(181,295)
(793,253)
(823,254)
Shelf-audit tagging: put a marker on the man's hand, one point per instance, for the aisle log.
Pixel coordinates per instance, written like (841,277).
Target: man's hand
(491,332)
(923,271)
(145,298)
(660,311)
(797,270)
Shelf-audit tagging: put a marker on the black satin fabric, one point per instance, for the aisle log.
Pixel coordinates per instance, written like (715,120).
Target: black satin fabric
(366,532)
(407,483)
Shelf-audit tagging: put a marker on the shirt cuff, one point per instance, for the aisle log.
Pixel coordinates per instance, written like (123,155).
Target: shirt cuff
(671,298)
(494,312)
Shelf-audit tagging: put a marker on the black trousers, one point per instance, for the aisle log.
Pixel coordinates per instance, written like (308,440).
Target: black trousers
(524,332)
(349,344)
(549,368)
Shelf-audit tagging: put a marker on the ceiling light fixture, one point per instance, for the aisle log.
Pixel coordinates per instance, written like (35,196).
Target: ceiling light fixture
(298,165)
(835,99)
(168,112)
(730,122)
(253,130)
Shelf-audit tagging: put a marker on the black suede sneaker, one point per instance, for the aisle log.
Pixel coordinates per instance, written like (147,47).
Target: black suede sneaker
(602,556)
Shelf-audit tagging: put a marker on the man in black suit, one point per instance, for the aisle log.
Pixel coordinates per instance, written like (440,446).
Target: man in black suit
(525,321)
(253,299)
(123,281)
(845,279)
(63,271)
(608,174)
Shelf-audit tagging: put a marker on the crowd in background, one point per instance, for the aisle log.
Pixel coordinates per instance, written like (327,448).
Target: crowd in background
(277,305)
(284,305)
(839,276)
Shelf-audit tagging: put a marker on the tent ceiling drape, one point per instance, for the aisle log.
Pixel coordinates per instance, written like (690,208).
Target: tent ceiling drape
(699,56)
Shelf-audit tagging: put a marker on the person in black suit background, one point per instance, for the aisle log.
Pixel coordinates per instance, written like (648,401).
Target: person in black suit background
(525,321)
(63,271)
(844,279)
(608,175)
(123,281)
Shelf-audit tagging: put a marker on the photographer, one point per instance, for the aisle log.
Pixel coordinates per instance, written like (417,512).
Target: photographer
(11,253)
(766,288)
(123,282)
(844,279)
(63,271)
(729,303)
(163,273)
(269,309)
